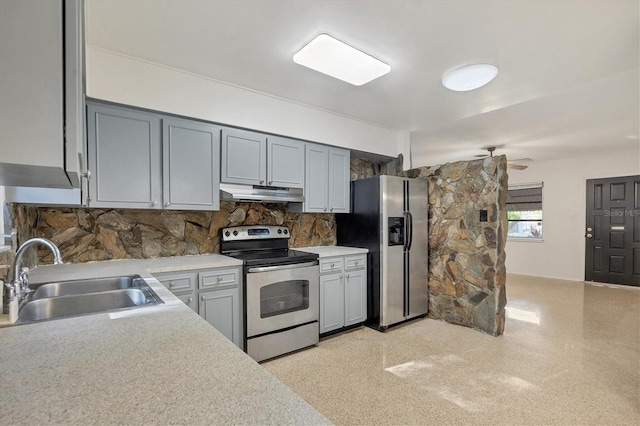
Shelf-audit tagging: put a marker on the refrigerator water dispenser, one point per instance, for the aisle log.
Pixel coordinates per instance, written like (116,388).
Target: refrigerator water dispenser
(396,231)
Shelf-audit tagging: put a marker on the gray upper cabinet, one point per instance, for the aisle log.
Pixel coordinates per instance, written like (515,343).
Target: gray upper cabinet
(144,160)
(252,158)
(124,155)
(40,93)
(327,185)
(317,183)
(244,157)
(191,165)
(285,166)
(339,180)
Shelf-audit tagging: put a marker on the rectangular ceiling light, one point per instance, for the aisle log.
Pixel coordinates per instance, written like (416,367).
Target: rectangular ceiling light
(339,60)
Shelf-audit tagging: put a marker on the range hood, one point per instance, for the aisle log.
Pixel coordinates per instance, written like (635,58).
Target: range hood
(234,192)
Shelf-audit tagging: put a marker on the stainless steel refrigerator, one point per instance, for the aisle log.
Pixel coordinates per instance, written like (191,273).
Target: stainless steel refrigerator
(389,216)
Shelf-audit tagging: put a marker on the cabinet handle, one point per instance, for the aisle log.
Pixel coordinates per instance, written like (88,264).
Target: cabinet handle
(171,284)
(203,297)
(332,265)
(356,263)
(167,204)
(331,209)
(347,276)
(262,181)
(86,175)
(325,209)
(219,278)
(154,203)
(341,276)
(270,182)
(189,300)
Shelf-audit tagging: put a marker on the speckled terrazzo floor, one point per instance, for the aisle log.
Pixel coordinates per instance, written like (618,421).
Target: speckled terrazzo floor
(570,355)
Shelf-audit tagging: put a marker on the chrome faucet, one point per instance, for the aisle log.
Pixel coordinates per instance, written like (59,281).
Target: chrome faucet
(20,284)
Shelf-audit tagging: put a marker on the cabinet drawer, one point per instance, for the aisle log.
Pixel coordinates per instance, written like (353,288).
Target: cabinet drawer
(355,262)
(332,264)
(220,278)
(190,301)
(177,282)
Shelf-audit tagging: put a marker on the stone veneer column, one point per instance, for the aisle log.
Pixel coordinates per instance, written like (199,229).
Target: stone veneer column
(467,257)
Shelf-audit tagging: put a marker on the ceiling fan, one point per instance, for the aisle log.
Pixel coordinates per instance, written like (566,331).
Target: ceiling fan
(511,164)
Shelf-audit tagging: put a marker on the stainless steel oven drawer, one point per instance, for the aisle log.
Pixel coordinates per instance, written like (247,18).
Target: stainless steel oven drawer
(274,344)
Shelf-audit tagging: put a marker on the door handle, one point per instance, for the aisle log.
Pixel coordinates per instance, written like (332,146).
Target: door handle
(408,230)
(282,267)
(589,236)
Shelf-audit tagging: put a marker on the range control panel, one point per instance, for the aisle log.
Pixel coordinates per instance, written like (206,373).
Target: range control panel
(254,232)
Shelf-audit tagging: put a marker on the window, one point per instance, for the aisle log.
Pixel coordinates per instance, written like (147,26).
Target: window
(524,211)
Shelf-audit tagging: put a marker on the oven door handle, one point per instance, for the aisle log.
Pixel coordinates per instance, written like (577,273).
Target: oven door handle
(281,267)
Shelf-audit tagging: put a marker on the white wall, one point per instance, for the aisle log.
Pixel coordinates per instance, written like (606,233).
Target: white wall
(562,253)
(123,79)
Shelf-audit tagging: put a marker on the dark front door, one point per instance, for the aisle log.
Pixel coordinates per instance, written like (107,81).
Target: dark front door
(613,231)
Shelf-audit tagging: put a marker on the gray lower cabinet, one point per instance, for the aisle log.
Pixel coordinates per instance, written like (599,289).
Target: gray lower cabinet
(221,308)
(215,294)
(343,292)
(144,160)
(182,284)
(331,302)
(327,180)
(189,300)
(355,297)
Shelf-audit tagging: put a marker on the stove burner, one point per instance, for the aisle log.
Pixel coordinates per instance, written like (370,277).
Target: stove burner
(261,245)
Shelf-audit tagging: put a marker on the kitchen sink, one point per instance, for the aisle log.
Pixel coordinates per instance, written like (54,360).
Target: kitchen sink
(67,288)
(90,296)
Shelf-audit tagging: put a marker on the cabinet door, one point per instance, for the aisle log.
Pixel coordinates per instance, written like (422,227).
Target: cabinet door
(355,297)
(285,165)
(221,309)
(191,165)
(188,300)
(331,302)
(316,181)
(244,157)
(31,94)
(339,180)
(124,158)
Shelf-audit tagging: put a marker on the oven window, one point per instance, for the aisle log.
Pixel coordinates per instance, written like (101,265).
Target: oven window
(284,297)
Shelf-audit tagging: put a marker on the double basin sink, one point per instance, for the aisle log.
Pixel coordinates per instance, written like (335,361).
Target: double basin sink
(63,299)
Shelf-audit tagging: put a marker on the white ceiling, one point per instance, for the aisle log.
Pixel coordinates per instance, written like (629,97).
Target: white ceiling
(568,82)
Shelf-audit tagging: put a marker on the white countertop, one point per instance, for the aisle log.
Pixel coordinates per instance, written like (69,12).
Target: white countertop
(153,365)
(330,251)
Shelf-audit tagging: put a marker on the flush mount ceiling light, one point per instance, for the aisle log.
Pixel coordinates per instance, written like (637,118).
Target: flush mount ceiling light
(469,77)
(339,60)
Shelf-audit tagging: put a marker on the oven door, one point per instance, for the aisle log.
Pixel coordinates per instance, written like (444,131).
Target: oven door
(282,296)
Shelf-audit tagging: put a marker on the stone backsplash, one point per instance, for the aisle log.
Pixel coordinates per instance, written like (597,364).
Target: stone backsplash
(85,235)
(466,256)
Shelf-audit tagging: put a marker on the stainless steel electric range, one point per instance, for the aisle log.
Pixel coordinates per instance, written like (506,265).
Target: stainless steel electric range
(281,290)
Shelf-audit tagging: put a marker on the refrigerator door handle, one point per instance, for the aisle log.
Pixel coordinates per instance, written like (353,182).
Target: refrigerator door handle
(405,231)
(410,232)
